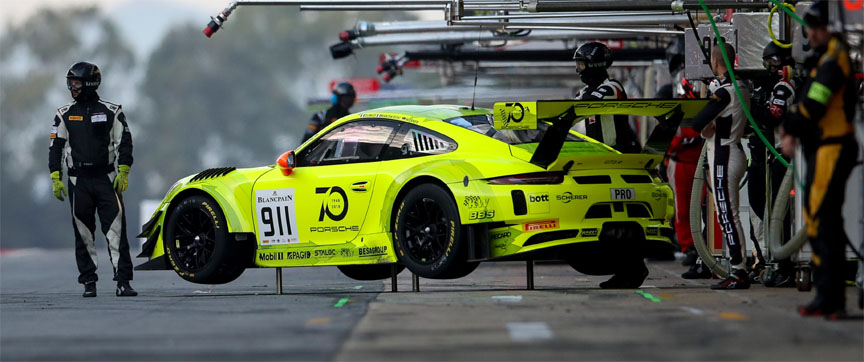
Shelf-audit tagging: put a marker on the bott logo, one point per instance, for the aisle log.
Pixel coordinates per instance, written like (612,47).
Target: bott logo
(538,198)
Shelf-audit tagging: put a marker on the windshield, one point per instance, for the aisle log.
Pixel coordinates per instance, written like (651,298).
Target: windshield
(482,124)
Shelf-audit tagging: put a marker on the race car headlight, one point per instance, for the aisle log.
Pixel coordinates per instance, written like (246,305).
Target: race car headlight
(537,178)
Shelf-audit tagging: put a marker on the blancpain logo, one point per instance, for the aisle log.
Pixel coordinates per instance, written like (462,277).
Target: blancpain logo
(275,199)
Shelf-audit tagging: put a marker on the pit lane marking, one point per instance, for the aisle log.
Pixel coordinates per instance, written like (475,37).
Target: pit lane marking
(529,331)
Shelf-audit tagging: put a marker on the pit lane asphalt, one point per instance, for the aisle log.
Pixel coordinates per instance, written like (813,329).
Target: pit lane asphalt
(325,316)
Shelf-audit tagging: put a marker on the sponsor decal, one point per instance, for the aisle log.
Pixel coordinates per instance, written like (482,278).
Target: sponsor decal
(346,252)
(631,104)
(334,205)
(589,232)
(98,117)
(613,162)
(277,221)
(333,229)
(541,225)
(76,118)
(569,196)
(538,197)
(271,256)
(657,194)
(295,255)
(652,231)
(480,215)
(499,235)
(475,202)
(326,253)
(515,116)
(372,251)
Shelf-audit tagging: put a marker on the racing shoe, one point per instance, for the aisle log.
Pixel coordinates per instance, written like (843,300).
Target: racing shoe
(819,308)
(697,271)
(125,290)
(690,257)
(89,290)
(737,279)
(780,280)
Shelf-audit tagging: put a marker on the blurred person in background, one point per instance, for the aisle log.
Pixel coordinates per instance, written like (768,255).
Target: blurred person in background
(92,137)
(341,100)
(822,122)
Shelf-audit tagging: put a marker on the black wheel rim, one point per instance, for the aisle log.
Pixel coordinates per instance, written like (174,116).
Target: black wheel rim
(194,239)
(427,230)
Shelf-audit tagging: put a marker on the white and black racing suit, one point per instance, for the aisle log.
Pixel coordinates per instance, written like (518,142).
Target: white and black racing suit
(613,130)
(722,123)
(92,136)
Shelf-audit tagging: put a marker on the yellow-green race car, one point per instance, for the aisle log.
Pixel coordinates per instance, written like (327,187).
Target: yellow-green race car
(436,189)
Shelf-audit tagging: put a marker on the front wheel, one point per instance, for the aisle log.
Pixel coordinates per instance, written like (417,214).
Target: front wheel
(428,234)
(198,245)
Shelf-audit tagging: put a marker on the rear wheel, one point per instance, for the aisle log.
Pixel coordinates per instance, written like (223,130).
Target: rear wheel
(369,272)
(198,245)
(428,234)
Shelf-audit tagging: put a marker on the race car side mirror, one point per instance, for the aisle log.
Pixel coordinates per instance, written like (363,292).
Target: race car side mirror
(286,162)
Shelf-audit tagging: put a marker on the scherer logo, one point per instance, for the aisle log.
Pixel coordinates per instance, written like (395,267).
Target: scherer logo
(541,225)
(569,196)
(335,205)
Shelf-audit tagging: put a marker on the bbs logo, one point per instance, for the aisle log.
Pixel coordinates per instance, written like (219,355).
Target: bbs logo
(479,215)
(335,204)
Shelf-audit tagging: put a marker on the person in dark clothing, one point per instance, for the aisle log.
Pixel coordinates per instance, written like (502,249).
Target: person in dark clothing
(592,60)
(822,121)
(722,123)
(90,136)
(341,100)
(771,102)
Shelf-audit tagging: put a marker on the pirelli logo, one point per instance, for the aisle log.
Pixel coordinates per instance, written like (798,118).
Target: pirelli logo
(76,118)
(540,225)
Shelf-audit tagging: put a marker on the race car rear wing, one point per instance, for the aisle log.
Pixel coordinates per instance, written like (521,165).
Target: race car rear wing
(563,114)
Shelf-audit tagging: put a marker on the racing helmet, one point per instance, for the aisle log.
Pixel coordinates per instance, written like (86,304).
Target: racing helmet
(774,57)
(343,94)
(87,73)
(591,56)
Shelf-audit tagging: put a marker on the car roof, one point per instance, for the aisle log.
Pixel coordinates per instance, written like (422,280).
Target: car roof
(434,112)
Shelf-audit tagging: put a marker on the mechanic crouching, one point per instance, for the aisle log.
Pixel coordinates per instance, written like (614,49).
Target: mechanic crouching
(722,123)
(822,122)
(91,136)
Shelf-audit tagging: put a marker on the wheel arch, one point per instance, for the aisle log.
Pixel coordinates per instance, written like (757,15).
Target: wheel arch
(408,186)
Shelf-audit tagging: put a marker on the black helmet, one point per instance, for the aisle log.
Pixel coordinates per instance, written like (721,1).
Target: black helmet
(592,56)
(343,95)
(774,57)
(675,54)
(817,14)
(87,73)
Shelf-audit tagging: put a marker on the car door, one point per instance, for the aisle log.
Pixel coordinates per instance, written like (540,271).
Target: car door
(331,185)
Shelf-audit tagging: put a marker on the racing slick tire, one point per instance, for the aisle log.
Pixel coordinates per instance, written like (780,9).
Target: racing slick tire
(198,245)
(369,272)
(428,234)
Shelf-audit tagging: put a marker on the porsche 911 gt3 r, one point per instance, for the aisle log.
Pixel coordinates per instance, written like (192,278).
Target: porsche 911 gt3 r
(436,189)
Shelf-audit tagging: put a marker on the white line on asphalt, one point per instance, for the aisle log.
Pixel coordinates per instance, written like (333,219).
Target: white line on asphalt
(693,311)
(507,298)
(529,331)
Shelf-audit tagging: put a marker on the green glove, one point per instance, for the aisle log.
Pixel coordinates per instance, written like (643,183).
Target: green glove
(121,182)
(57,185)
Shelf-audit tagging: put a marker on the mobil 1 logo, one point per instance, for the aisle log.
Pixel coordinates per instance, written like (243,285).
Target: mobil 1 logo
(276,217)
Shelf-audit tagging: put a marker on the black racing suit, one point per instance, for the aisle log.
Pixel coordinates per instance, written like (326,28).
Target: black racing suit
(722,123)
(92,136)
(323,119)
(770,106)
(823,122)
(612,130)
